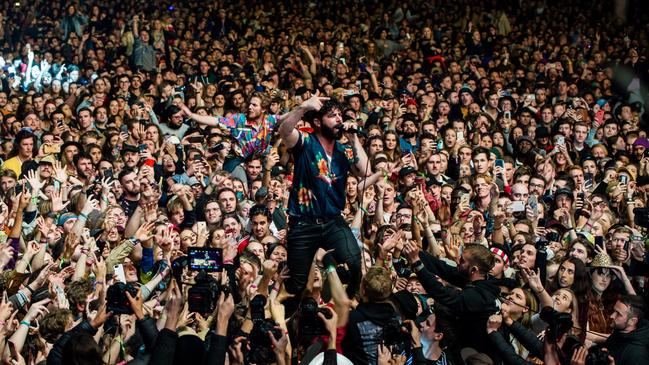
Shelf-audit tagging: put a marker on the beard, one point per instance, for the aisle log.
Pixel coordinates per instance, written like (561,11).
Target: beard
(409,135)
(331,133)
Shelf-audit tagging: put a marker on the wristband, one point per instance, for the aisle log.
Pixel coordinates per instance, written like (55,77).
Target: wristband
(35,200)
(330,269)
(30,289)
(25,323)
(83,215)
(227,262)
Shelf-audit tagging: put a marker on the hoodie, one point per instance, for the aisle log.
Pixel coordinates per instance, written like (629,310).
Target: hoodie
(632,347)
(365,331)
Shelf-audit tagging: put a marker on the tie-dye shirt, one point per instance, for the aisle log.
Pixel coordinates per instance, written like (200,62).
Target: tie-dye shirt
(252,140)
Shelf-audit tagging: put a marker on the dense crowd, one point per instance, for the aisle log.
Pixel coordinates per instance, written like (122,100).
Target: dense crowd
(353,182)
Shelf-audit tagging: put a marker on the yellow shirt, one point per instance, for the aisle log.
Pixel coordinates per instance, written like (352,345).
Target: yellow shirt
(13,164)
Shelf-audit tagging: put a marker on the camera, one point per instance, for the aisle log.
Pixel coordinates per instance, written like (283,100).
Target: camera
(116,299)
(395,339)
(597,355)
(310,324)
(202,296)
(558,323)
(641,217)
(261,350)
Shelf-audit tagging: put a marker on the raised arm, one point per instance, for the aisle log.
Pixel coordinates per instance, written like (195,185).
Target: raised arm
(202,119)
(287,130)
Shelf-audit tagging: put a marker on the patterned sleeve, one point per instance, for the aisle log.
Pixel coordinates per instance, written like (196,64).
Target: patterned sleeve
(230,122)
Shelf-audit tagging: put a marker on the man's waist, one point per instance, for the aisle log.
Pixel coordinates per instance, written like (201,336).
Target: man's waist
(312,220)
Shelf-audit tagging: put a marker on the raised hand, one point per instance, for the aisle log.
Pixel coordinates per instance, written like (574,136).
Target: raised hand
(59,172)
(315,102)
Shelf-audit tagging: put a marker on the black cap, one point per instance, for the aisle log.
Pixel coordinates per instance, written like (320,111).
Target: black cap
(406,171)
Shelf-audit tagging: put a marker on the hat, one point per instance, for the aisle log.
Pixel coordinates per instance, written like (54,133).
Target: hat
(405,171)
(587,236)
(524,138)
(277,170)
(641,142)
(49,158)
(500,251)
(602,102)
(66,217)
(261,193)
(340,359)
(71,143)
(472,357)
(407,304)
(128,148)
(542,132)
(564,191)
(193,181)
(627,171)
(601,260)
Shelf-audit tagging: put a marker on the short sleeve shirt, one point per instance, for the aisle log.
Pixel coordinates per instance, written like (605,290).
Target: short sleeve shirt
(318,189)
(252,140)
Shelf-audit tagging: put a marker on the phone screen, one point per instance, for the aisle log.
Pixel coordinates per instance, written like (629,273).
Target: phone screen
(208,259)
(518,206)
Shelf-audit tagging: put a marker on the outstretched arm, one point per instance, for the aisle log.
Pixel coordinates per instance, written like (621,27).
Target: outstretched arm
(202,119)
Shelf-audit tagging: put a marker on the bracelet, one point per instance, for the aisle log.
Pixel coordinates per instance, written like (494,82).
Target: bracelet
(331,269)
(30,289)
(228,262)
(25,323)
(364,210)
(99,283)
(540,291)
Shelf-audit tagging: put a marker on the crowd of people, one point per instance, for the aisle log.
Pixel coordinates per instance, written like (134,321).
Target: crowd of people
(353,182)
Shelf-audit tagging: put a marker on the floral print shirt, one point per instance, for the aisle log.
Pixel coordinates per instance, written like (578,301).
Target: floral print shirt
(318,189)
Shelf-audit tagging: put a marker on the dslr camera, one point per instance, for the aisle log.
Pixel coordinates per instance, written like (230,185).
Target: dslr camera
(310,324)
(558,323)
(116,299)
(261,349)
(396,339)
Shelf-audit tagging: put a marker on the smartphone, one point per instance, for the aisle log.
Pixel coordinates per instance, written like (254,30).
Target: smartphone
(518,206)
(205,259)
(588,180)
(119,273)
(195,139)
(460,136)
(507,115)
(202,226)
(561,140)
(108,173)
(623,179)
(198,157)
(500,163)
(123,128)
(464,199)
(51,148)
(143,147)
(533,202)
(60,296)
(363,67)
(599,241)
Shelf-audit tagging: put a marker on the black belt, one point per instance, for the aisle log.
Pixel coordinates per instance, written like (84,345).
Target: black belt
(312,220)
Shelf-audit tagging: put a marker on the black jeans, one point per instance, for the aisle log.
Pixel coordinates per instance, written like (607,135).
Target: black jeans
(304,239)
